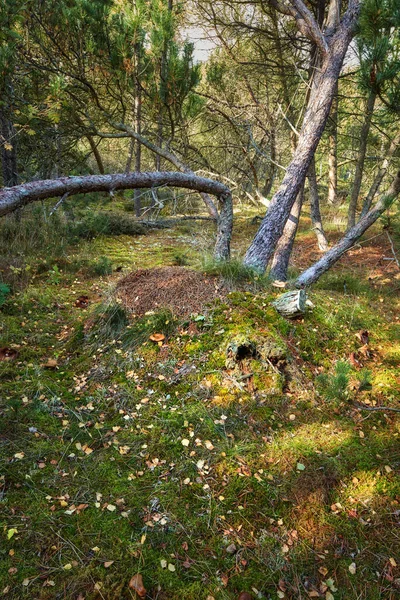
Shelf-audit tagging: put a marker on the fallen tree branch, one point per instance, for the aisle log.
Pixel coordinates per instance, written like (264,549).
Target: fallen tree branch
(351,237)
(18,196)
(384,408)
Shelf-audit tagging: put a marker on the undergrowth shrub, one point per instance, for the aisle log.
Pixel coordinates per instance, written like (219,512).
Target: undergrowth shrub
(334,386)
(233,272)
(93,224)
(102,266)
(112,323)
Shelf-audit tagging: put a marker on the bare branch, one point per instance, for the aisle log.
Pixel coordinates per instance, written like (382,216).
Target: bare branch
(312,25)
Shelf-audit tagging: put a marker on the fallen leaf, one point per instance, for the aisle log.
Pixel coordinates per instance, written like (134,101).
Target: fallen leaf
(11,533)
(300,467)
(352,568)
(51,364)
(136,584)
(185,442)
(111,507)
(108,563)
(171,567)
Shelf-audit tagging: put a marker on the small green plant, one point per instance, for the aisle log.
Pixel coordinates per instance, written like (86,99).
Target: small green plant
(54,275)
(180,259)
(102,266)
(365,379)
(334,386)
(4,291)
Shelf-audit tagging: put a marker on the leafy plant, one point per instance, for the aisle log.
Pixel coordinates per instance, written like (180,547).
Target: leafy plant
(365,379)
(54,275)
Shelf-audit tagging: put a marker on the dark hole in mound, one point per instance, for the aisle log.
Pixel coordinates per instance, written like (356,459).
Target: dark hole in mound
(246,351)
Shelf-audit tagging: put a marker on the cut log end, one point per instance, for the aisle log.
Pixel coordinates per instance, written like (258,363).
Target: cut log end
(291,304)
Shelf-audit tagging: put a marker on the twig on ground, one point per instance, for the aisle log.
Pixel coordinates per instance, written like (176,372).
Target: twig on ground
(365,407)
(393,249)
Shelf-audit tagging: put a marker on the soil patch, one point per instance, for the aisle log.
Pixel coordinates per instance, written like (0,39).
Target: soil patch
(181,290)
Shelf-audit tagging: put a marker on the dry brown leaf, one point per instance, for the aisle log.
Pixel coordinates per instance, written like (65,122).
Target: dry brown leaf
(136,584)
(51,364)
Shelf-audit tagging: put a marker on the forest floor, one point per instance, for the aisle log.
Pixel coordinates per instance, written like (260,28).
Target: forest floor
(205,470)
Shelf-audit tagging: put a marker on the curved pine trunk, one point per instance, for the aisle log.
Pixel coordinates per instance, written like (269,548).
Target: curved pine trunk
(271,228)
(11,199)
(313,273)
(280,261)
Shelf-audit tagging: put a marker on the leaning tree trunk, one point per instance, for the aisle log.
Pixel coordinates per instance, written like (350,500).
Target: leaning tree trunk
(313,273)
(11,199)
(380,175)
(315,210)
(283,251)
(369,109)
(271,228)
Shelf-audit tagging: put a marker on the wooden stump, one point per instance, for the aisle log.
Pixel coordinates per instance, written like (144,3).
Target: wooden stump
(292,304)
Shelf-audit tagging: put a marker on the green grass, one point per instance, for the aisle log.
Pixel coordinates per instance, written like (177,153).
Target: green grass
(92,464)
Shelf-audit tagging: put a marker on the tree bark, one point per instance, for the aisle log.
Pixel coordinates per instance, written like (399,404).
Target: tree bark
(369,109)
(271,228)
(283,250)
(15,197)
(315,211)
(313,273)
(96,154)
(332,158)
(138,154)
(380,175)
